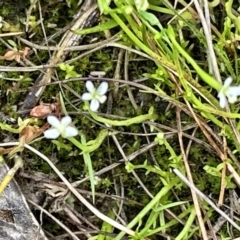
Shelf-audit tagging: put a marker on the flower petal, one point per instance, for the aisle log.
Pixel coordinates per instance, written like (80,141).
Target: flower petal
(65,121)
(233,91)
(90,87)
(232,99)
(222,100)
(102,99)
(51,133)
(228,82)
(87,96)
(94,105)
(53,121)
(70,132)
(102,88)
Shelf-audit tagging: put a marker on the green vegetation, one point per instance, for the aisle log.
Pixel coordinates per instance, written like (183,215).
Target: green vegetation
(168,108)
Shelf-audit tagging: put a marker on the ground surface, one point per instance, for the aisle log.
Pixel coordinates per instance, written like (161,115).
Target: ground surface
(164,65)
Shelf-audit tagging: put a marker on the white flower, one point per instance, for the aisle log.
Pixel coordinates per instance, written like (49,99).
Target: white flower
(96,96)
(227,91)
(58,128)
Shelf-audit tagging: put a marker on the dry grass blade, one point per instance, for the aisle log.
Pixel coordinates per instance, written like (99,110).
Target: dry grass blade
(200,194)
(86,16)
(74,191)
(10,34)
(189,175)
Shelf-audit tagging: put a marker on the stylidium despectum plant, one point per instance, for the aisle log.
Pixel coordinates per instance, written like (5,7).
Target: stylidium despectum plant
(62,127)
(228,93)
(95,95)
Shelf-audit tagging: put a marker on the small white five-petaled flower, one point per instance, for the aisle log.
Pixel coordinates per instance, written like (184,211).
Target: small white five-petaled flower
(58,128)
(96,96)
(227,91)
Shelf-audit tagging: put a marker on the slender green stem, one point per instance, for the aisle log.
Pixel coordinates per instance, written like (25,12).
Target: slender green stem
(141,118)
(161,9)
(132,36)
(205,76)
(75,142)
(187,226)
(150,206)
(88,163)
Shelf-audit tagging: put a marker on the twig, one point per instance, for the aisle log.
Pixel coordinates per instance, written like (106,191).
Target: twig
(73,190)
(189,175)
(208,35)
(200,194)
(55,220)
